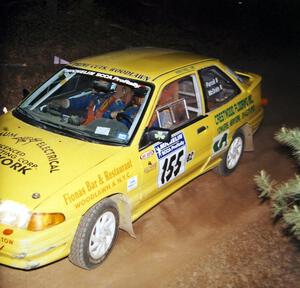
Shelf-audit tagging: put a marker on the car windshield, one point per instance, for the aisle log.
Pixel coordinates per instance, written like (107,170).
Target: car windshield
(89,104)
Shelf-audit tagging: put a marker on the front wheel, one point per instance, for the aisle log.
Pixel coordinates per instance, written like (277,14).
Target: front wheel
(232,156)
(95,235)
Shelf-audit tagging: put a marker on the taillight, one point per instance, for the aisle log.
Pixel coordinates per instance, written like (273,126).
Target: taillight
(264,101)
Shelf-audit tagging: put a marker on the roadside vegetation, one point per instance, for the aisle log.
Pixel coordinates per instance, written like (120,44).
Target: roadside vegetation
(284,197)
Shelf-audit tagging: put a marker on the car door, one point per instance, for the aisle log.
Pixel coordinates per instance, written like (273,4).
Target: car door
(227,103)
(168,165)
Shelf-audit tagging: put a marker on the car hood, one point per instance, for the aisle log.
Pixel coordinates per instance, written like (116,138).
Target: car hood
(34,160)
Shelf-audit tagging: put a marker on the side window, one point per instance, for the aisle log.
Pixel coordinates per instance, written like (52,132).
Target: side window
(178,104)
(217,87)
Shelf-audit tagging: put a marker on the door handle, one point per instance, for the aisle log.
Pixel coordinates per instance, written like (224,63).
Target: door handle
(201,129)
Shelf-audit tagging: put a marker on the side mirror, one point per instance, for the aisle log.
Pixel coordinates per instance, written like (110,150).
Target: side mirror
(25,93)
(152,135)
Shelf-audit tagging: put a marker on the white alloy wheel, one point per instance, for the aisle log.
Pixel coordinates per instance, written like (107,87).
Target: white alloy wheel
(96,235)
(102,235)
(234,153)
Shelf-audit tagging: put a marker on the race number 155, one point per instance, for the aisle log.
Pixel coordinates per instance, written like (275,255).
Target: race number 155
(171,166)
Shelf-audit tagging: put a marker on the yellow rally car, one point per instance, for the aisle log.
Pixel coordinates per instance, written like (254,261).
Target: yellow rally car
(107,138)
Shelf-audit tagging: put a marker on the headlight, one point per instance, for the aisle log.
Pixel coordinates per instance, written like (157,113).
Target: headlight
(14,214)
(18,215)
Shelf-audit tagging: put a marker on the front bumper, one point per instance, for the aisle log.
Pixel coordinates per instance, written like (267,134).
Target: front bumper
(28,250)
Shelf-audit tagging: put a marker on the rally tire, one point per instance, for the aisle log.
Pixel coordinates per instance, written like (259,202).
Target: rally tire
(232,156)
(96,235)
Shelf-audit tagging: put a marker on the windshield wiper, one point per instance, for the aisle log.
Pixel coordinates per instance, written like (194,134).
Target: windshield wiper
(52,124)
(65,129)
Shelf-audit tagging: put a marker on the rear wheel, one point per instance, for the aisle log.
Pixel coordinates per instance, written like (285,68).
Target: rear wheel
(95,235)
(232,156)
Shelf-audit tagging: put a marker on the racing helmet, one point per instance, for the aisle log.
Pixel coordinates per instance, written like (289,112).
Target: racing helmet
(102,86)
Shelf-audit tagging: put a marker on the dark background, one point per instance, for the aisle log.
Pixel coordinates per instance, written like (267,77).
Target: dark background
(258,36)
(250,27)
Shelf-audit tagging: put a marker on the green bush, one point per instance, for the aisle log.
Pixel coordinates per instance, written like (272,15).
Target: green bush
(284,197)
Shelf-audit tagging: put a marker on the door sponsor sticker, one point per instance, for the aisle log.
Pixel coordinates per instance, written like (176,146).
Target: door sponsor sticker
(17,159)
(132,183)
(171,157)
(220,142)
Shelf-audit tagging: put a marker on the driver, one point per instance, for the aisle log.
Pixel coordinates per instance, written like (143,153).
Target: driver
(130,108)
(103,102)
(87,105)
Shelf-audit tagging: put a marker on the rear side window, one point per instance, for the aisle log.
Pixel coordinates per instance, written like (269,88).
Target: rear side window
(178,104)
(217,87)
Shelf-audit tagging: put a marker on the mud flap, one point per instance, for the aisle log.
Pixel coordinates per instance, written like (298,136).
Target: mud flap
(248,134)
(125,213)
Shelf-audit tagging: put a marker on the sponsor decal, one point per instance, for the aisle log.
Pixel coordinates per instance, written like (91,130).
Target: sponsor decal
(7,240)
(190,156)
(71,197)
(220,142)
(117,171)
(185,70)
(132,183)
(124,72)
(106,76)
(150,167)
(51,156)
(163,149)
(102,130)
(122,136)
(171,158)
(146,154)
(234,113)
(25,140)
(93,189)
(159,135)
(17,159)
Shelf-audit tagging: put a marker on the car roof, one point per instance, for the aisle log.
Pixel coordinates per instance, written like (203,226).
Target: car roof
(140,63)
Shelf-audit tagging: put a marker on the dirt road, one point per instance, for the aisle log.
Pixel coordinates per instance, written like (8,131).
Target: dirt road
(214,232)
